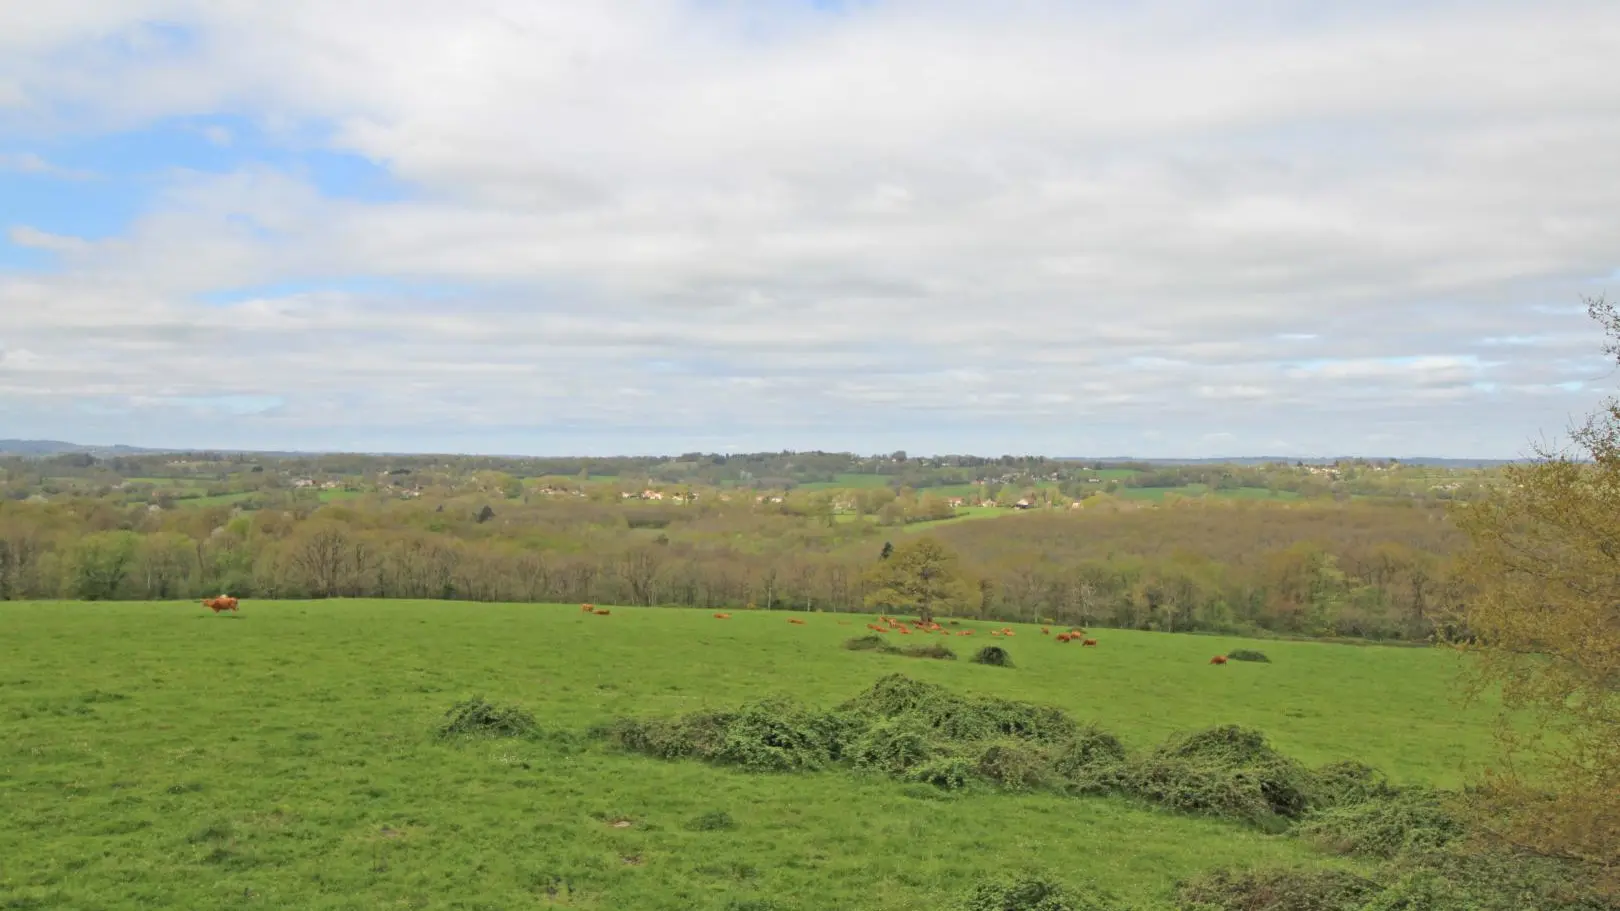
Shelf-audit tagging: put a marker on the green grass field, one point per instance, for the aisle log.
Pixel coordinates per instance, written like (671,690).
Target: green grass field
(223,499)
(1202,490)
(158,756)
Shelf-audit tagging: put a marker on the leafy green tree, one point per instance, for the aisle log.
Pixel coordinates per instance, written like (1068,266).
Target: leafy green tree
(921,574)
(1544,619)
(101,562)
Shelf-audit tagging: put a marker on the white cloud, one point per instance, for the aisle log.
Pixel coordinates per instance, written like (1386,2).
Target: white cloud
(33,238)
(29,163)
(921,225)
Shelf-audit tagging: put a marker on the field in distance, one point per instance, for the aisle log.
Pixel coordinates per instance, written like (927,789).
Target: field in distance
(157,755)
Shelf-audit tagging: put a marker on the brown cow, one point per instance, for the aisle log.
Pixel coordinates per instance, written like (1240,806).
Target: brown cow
(722,616)
(587,608)
(1218,659)
(796,620)
(1089,642)
(603,613)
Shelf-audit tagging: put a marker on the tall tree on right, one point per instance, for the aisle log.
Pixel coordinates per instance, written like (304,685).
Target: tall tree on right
(1541,610)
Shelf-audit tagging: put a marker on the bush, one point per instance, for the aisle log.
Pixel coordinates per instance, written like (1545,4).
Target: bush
(993,655)
(1013,764)
(1343,783)
(1415,821)
(1276,890)
(697,736)
(934,650)
(1466,879)
(1037,894)
(948,772)
(477,717)
(893,746)
(870,643)
(959,719)
(1094,762)
(1246,654)
(1224,771)
(778,736)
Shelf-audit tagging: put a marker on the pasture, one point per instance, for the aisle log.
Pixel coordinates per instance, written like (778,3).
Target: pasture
(157,755)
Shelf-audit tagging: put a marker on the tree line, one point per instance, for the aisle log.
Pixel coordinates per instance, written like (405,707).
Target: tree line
(1380,571)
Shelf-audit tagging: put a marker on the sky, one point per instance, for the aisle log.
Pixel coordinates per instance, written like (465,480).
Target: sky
(1165,228)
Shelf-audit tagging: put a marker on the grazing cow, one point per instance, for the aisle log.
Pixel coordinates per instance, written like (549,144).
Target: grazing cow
(587,608)
(722,616)
(1089,642)
(222,603)
(1218,659)
(796,620)
(1045,631)
(1063,637)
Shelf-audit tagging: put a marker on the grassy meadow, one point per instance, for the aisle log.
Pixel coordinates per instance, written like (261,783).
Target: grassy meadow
(158,756)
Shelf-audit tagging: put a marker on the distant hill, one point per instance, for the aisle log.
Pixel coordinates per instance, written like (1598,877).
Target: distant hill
(57,447)
(1266,460)
(39,448)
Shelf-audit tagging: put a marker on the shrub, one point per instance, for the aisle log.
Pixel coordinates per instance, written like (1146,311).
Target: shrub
(1035,894)
(1093,762)
(1466,879)
(778,736)
(1342,783)
(478,717)
(933,650)
(717,821)
(948,772)
(1385,827)
(870,643)
(1276,890)
(892,746)
(1013,764)
(1224,771)
(993,655)
(696,736)
(1247,654)
(962,719)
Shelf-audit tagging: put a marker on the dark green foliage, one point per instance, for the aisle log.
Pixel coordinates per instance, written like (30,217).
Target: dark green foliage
(478,717)
(876,643)
(932,650)
(716,821)
(1093,762)
(948,772)
(1014,764)
(993,655)
(1384,826)
(779,736)
(1276,890)
(1343,783)
(1224,771)
(958,718)
(1467,879)
(1247,654)
(893,745)
(1037,894)
(772,736)
(698,736)
(1450,880)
